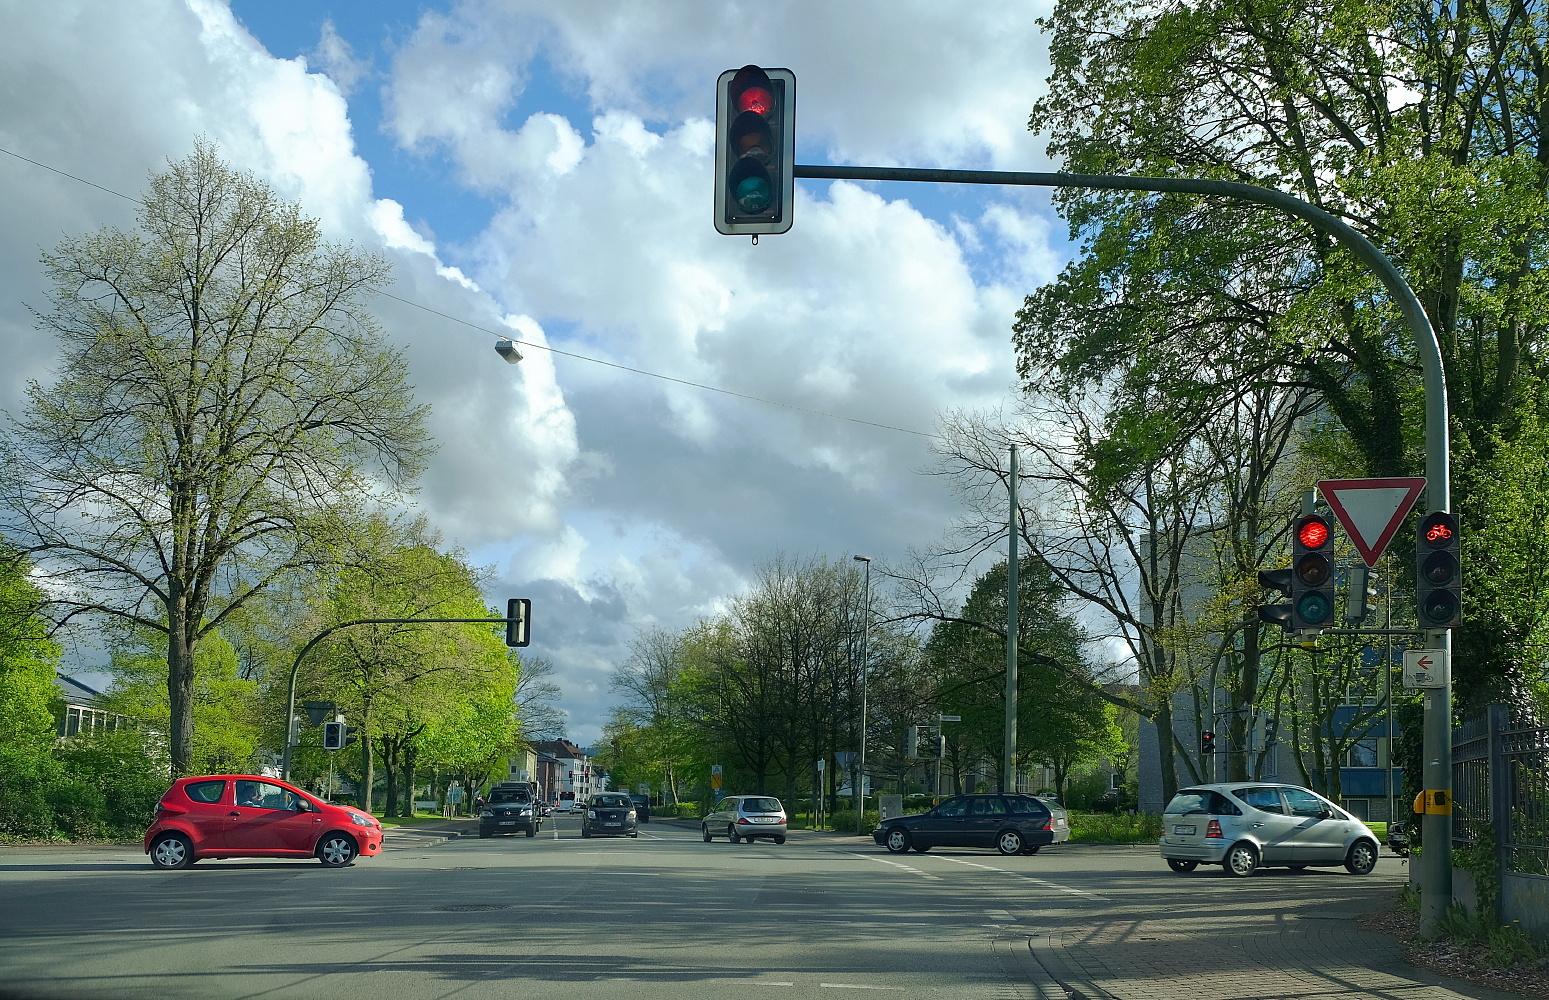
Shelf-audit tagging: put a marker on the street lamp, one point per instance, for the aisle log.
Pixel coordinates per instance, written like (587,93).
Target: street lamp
(860,778)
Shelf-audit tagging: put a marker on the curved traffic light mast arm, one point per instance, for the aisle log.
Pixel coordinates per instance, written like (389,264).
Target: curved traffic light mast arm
(1436,877)
(1437,472)
(295,670)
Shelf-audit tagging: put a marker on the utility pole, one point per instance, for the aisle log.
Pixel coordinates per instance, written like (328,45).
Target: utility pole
(1008,782)
(860,777)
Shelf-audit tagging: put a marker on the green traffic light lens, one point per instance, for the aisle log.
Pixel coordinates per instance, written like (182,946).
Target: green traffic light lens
(1314,609)
(753,193)
(1440,608)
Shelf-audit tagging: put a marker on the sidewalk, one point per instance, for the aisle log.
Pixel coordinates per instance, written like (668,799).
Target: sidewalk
(1237,956)
(429,834)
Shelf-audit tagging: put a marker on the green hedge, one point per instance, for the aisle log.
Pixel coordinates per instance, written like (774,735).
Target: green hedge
(101,785)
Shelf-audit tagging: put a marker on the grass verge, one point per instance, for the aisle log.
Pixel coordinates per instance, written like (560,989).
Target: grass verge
(1472,948)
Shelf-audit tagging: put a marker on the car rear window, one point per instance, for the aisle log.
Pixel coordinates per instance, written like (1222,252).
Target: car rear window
(1189,801)
(756,805)
(205,791)
(1262,799)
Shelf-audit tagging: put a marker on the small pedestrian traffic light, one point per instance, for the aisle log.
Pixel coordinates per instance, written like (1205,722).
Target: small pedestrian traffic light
(1312,573)
(755,150)
(1207,742)
(1439,571)
(333,736)
(518,618)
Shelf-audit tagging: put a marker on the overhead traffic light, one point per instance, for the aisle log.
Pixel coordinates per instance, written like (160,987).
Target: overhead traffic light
(1312,573)
(333,736)
(755,150)
(518,618)
(1363,592)
(1439,571)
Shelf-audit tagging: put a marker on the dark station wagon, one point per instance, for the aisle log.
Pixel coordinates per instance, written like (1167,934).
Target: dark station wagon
(1012,824)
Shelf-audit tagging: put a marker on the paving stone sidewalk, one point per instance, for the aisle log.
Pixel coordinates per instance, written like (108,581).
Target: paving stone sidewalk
(1276,956)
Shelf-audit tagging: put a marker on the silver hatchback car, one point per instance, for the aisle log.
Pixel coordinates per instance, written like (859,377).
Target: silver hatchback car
(746,817)
(1243,825)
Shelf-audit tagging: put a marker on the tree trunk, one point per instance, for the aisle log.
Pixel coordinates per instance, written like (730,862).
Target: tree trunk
(410,754)
(390,771)
(1164,749)
(180,688)
(1241,726)
(367,761)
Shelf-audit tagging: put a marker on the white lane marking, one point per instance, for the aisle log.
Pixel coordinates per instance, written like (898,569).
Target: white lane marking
(1038,881)
(895,864)
(1004,916)
(857,986)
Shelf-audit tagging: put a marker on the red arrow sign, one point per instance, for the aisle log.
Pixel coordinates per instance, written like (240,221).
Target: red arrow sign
(1371,509)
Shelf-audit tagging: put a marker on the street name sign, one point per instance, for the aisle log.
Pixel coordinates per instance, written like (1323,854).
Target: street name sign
(1426,668)
(1371,509)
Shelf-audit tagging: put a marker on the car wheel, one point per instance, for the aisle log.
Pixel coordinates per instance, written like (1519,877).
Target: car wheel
(1297,868)
(635,834)
(1362,858)
(1031,849)
(585,833)
(779,839)
(897,840)
(1009,842)
(485,834)
(1180,866)
(731,835)
(1241,860)
(337,850)
(172,850)
(706,831)
(532,831)
(920,849)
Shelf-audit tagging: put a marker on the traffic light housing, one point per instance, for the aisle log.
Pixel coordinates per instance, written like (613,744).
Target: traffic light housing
(1359,602)
(1312,573)
(518,619)
(912,742)
(333,736)
(1207,742)
(1276,614)
(755,150)
(1439,571)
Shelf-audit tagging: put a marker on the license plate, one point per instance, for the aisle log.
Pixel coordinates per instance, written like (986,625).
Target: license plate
(1187,831)
(613,824)
(507,822)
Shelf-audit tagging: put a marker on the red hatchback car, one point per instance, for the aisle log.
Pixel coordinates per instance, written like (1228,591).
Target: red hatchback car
(246,816)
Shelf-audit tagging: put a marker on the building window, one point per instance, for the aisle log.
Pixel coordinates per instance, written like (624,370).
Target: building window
(1357,807)
(1363,753)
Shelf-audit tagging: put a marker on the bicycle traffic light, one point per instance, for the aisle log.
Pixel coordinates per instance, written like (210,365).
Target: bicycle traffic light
(1439,569)
(333,736)
(1312,573)
(755,150)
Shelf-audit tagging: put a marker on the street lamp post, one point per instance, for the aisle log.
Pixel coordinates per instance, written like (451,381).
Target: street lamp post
(860,777)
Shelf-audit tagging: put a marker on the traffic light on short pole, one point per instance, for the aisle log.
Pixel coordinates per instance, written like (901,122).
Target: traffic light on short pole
(333,736)
(755,150)
(1207,742)
(1312,573)
(1439,571)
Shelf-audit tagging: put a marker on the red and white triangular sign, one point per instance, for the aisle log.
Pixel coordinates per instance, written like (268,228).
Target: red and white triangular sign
(1371,509)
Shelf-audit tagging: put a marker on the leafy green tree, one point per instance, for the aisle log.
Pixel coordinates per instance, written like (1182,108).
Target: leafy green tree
(223,393)
(28,661)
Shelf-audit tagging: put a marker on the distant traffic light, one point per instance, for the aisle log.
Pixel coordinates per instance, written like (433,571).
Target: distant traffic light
(518,620)
(1359,601)
(1439,571)
(755,150)
(1207,742)
(333,736)
(1312,573)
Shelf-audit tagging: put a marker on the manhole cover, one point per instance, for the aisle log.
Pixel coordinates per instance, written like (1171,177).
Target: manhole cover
(469,907)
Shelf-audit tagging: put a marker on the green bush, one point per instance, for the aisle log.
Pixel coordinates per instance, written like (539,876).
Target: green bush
(79,808)
(120,766)
(683,810)
(1115,828)
(24,808)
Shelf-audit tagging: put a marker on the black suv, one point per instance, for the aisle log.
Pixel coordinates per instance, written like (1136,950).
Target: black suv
(642,808)
(510,809)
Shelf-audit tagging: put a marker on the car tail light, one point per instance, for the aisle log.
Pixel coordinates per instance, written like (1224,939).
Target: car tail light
(744,819)
(1214,829)
(1048,824)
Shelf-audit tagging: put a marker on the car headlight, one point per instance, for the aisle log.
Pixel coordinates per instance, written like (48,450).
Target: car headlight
(359,820)
(631,814)
(525,812)
(591,814)
(486,814)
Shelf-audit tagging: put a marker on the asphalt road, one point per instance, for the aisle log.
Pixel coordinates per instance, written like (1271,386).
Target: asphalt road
(662,916)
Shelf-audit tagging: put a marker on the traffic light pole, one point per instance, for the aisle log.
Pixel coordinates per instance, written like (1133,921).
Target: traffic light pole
(295,669)
(1436,826)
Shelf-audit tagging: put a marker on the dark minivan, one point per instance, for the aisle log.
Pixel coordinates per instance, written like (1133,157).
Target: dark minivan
(1012,824)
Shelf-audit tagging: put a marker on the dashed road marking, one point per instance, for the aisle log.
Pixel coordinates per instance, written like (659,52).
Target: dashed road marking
(895,864)
(1037,881)
(857,986)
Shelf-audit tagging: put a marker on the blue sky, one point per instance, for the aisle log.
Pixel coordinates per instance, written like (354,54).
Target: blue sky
(543,170)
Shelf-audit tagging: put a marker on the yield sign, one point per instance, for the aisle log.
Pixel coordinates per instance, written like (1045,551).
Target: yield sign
(1371,509)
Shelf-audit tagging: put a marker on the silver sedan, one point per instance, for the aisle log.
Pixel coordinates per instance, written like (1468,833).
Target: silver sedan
(1244,825)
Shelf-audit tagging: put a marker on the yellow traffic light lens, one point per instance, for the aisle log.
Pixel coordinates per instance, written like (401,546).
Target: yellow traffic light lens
(1314,569)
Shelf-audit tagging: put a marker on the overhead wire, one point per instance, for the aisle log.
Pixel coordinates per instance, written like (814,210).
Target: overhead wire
(503,335)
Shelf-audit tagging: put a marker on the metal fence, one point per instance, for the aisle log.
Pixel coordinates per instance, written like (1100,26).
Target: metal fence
(1500,782)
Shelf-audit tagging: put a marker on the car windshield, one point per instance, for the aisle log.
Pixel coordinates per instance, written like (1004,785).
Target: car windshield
(757,805)
(612,801)
(1189,801)
(500,795)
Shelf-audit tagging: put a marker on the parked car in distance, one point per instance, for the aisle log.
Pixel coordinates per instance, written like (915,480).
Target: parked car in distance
(609,814)
(642,807)
(510,809)
(1012,824)
(745,817)
(250,816)
(1245,825)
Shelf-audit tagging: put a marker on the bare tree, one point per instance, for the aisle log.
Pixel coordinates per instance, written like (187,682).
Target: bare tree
(222,391)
